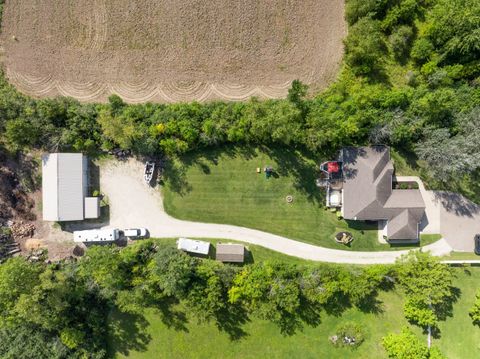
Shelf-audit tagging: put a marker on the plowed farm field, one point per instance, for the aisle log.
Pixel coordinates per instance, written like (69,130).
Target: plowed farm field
(170,50)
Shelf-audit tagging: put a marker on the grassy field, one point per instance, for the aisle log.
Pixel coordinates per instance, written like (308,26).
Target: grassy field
(154,337)
(222,186)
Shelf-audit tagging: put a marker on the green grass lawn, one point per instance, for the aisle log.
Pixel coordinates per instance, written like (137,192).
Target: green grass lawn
(459,337)
(256,253)
(152,337)
(222,186)
(462,255)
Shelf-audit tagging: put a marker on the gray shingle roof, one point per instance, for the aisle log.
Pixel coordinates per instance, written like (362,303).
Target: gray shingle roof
(368,194)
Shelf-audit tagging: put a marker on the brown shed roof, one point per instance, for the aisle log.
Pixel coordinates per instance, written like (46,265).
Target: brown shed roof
(230,252)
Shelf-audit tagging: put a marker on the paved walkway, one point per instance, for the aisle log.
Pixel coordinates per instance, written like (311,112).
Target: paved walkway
(134,204)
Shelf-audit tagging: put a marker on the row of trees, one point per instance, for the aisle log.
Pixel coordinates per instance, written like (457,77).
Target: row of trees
(410,80)
(60,311)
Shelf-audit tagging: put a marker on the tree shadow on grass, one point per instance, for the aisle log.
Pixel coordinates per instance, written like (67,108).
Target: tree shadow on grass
(310,313)
(127,332)
(175,171)
(171,316)
(175,175)
(337,305)
(231,319)
(371,304)
(444,311)
(298,165)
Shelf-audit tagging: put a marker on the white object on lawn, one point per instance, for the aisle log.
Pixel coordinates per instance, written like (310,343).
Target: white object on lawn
(193,246)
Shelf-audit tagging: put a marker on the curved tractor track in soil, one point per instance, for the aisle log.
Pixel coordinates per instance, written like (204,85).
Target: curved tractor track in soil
(164,51)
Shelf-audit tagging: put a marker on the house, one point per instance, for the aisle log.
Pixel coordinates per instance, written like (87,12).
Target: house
(193,246)
(231,253)
(64,188)
(365,193)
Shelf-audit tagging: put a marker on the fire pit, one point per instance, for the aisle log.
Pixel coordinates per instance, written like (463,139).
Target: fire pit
(343,237)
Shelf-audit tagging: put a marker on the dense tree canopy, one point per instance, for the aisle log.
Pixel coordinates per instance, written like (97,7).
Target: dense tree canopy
(428,287)
(406,345)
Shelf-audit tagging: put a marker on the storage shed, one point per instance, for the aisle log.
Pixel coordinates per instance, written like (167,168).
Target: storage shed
(64,188)
(232,253)
(193,246)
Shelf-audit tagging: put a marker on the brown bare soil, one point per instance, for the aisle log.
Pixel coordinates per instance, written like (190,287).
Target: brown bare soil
(169,51)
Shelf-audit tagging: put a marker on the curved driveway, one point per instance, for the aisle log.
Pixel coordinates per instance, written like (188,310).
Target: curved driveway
(134,204)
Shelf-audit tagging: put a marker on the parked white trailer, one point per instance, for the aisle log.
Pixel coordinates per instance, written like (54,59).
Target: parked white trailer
(96,235)
(193,246)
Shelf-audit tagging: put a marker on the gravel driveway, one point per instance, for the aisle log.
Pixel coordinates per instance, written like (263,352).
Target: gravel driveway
(134,204)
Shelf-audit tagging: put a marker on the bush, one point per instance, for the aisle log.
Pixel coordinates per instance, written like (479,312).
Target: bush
(475,310)
(357,9)
(365,47)
(406,345)
(422,50)
(400,41)
(348,335)
(403,12)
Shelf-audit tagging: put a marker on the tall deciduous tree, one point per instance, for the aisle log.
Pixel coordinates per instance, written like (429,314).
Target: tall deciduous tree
(406,345)
(475,310)
(428,286)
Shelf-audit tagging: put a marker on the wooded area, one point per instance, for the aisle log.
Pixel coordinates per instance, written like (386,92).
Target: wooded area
(65,306)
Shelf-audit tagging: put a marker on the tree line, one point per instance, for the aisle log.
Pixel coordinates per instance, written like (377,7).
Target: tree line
(410,79)
(61,310)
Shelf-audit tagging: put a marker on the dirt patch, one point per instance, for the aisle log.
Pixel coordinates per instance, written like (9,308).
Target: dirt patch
(18,178)
(169,51)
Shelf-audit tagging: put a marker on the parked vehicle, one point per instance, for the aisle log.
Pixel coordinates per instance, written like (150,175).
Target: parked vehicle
(135,232)
(149,170)
(477,244)
(96,235)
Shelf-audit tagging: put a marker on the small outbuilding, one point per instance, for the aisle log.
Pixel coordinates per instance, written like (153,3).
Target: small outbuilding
(193,246)
(231,253)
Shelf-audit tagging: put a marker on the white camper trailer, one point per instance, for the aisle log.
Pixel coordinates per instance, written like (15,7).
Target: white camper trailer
(96,235)
(193,246)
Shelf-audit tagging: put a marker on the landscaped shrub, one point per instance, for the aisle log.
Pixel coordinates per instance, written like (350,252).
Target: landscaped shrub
(348,335)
